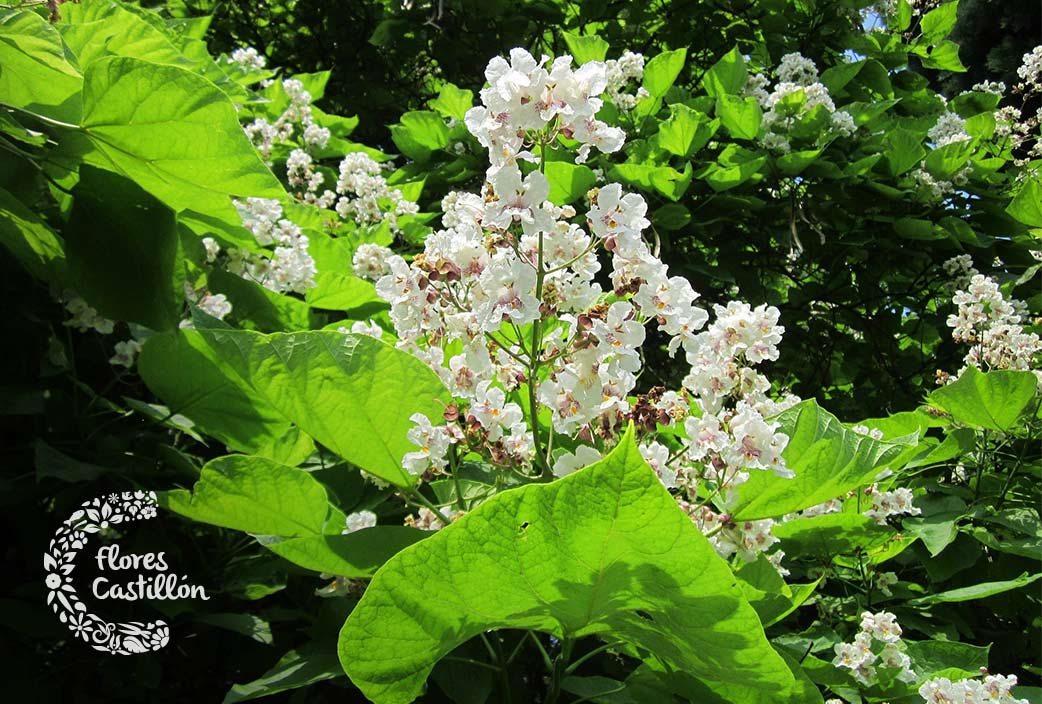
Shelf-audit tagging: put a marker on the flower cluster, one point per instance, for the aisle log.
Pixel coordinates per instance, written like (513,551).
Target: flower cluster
(359,520)
(364,195)
(302,174)
(289,267)
(505,300)
(994,689)
(297,117)
(248,59)
(126,353)
(938,189)
(730,537)
(960,271)
(84,317)
(949,129)
(628,67)
(1030,70)
(877,646)
(992,327)
(524,96)
(796,92)
(890,503)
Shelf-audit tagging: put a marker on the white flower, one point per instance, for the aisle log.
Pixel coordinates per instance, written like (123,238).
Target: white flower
(891,503)
(518,201)
(126,353)
(359,520)
(657,456)
(212,249)
(434,444)
(215,304)
(371,261)
(950,128)
(569,462)
(247,59)
(491,410)
(85,318)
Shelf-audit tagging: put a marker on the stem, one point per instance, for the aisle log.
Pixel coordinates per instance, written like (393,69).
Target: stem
(537,343)
(453,463)
(470,661)
(593,653)
(41,118)
(504,677)
(591,697)
(542,651)
(560,663)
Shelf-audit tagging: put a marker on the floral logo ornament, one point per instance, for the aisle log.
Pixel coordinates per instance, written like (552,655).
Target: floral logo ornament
(59,561)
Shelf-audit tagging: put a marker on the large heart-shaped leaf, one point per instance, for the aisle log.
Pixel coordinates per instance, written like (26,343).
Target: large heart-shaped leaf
(124,255)
(605,551)
(142,119)
(35,75)
(828,458)
(352,393)
(257,495)
(993,400)
(188,376)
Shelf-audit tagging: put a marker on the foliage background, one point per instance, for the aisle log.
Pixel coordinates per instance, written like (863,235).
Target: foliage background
(852,342)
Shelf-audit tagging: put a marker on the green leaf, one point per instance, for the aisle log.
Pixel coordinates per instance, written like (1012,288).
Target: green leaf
(902,15)
(944,161)
(351,393)
(420,133)
(943,56)
(257,306)
(992,400)
(727,76)
(977,591)
(247,624)
(123,251)
(1026,206)
(568,182)
(793,163)
(187,375)
(173,133)
(51,463)
(100,28)
(453,102)
(686,131)
(837,77)
(916,229)
(356,555)
(663,179)
(256,495)
(34,73)
(828,458)
(741,116)
(939,22)
(30,241)
(725,177)
(662,71)
(295,669)
(936,658)
(671,217)
(936,527)
(831,534)
(904,150)
(706,691)
(768,593)
(584,48)
(336,288)
(604,551)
